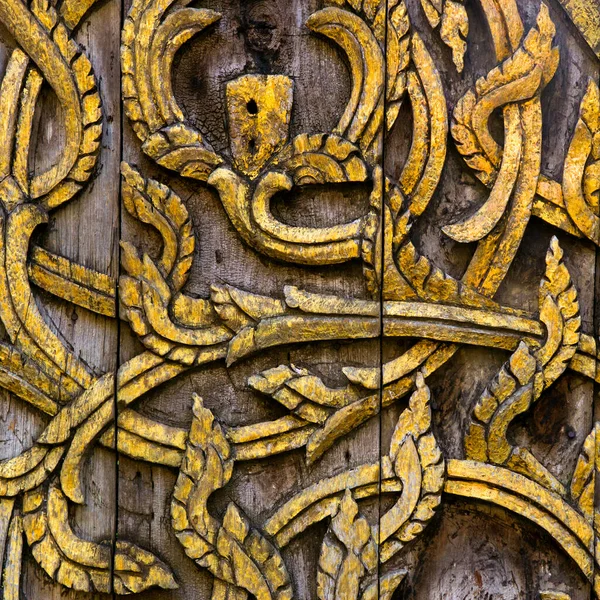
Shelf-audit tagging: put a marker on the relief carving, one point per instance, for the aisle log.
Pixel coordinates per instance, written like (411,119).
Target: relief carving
(408,297)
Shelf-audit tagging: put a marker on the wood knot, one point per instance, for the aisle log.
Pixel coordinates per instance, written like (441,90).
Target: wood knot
(262,27)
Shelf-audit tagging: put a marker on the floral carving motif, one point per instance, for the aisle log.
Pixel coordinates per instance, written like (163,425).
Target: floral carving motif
(409,296)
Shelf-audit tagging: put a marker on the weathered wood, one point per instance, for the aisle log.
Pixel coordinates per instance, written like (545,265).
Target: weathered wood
(204,68)
(93,338)
(567,409)
(348,345)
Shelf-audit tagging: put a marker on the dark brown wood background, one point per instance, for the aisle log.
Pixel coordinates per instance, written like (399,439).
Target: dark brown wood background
(470,551)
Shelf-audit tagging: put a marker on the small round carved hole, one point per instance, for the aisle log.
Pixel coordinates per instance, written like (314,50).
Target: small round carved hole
(252,107)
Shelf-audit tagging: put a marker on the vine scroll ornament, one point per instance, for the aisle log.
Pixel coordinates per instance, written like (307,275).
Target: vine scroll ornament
(389,64)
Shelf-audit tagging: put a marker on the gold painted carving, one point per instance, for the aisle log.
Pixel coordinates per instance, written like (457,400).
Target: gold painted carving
(586,17)
(409,297)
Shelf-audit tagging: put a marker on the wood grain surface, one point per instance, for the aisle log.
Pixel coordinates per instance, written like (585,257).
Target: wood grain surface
(460,318)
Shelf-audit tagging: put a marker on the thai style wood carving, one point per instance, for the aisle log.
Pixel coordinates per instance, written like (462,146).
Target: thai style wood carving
(415,312)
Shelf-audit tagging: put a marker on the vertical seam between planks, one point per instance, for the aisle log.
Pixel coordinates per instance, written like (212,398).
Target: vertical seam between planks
(596,390)
(382,224)
(121,122)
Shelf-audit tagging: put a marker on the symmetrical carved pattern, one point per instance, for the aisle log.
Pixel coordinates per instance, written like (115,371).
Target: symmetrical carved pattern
(408,297)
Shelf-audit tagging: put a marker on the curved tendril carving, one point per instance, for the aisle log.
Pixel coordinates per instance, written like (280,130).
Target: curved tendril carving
(389,63)
(81,565)
(581,178)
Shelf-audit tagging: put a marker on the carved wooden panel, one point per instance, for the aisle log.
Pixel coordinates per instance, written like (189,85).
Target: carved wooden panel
(298,299)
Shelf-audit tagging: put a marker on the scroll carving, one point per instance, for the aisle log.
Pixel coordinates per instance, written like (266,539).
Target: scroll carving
(408,296)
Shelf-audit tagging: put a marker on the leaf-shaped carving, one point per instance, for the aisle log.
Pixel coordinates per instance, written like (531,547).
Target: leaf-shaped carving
(419,464)
(429,282)
(482,222)
(28,470)
(515,85)
(22,376)
(514,387)
(151,292)
(363,40)
(239,309)
(73,431)
(520,77)
(331,412)
(236,554)
(423,167)
(91,119)
(25,324)
(396,40)
(72,11)
(319,159)
(146,62)
(386,586)
(372,236)
(454,26)
(48,43)
(82,565)
(304,394)
(336,411)
(372,11)
(559,311)
(527,373)
(360,30)
(348,554)
(583,482)
(398,58)
(157,205)
(583,487)
(349,558)
(11,549)
(581,177)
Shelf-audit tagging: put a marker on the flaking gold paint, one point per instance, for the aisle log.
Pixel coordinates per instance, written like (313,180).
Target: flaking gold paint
(179,331)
